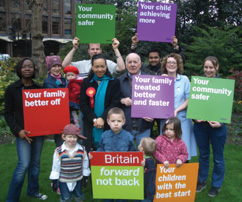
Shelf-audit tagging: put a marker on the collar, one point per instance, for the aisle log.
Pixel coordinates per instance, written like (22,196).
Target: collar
(19,83)
(117,134)
(178,77)
(77,147)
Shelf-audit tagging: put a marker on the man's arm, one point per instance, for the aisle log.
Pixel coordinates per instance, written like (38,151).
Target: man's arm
(69,56)
(120,62)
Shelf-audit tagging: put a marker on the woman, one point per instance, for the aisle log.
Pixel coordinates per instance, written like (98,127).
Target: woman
(214,132)
(172,65)
(55,80)
(28,149)
(99,93)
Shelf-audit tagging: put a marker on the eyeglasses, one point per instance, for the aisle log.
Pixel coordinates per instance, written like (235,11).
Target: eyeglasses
(27,66)
(171,62)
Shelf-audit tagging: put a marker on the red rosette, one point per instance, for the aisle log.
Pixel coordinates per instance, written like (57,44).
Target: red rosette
(90,93)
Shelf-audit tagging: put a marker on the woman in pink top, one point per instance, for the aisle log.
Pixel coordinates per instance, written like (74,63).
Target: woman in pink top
(170,147)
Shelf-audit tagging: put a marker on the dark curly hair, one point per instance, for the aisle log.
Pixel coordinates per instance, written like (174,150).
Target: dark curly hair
(18,67)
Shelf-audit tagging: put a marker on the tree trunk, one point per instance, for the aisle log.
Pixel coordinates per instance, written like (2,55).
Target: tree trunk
(38,55)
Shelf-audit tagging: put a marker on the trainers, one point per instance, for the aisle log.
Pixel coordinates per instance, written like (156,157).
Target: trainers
(201,186)
(40,196)
(213,191)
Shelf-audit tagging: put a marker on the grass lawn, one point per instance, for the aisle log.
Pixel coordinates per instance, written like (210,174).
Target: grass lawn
(230,191)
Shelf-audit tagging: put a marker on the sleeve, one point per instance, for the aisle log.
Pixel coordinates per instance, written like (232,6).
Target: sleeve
(55,172)
(186,87)
(101,145)
(150,175)
(85,167)
(114,96)
(158,154)
(48,85)
(9,111)
(183,156)
(131,143)
(85,102)
(111,66)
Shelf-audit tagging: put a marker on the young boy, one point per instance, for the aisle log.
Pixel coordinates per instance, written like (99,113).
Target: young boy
(70,164)
(148,146)
(116,139)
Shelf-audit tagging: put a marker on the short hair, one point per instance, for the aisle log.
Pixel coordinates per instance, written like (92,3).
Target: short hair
(19,65)
(178,59)
(156,50)
(177,126)
(149,145)
(129,55)
(116,110)
(94,43)
(213,59)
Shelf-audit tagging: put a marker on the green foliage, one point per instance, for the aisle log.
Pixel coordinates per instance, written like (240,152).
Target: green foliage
(7,76)
(237,76)
(222,43)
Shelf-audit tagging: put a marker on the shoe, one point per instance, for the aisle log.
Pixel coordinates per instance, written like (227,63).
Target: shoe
(58,191)
(213,191)
(40,196)
(201,186)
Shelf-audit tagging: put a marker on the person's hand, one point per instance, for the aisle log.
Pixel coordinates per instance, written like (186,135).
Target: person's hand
(174,41)
(90,156)
(99,123)
(75,43)
(178,163)
(126,101)
(199,121)
(135,40)
(143,162)
(164,74)
(22,135)
(115,43)
(175,113)
(214,124)
(166,164)
(148,119)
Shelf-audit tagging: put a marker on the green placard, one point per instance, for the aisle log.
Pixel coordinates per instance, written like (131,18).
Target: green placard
(211,99)
(118,182)
(95,23)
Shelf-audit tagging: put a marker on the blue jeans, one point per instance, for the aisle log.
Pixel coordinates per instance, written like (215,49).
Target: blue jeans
(205,134)
(28,160)
(66,195)
(139,136)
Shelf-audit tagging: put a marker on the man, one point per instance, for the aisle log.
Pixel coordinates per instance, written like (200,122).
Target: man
(138,127)
(154,56)
(84,66)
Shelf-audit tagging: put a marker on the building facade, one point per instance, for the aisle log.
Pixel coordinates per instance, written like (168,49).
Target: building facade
(58,26)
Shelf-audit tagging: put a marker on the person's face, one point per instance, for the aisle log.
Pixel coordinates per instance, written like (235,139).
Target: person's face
(56,70)
(169,132)
(94,49)
(133,64)
(27,70)
(99,67)
(140,147)
(70,140)
(171,65)
(209,69)
(154,58)
(116,121)
(70,75)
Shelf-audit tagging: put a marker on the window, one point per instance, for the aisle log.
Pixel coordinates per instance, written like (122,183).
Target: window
(67,7)
(45,24)
(67,26)
(55,25)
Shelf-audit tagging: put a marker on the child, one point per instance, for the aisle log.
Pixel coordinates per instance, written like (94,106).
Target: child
(170,147)
(116,139)
(74,87)
(70,164)
(148,146)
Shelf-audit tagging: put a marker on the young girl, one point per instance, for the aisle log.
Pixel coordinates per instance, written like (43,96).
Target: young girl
(170,147)
(73,84)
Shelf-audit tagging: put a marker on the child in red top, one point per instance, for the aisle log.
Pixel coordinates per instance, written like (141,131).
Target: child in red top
(73,84)
(170,147)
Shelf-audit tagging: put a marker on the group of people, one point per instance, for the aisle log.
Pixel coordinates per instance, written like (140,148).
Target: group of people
(105,121)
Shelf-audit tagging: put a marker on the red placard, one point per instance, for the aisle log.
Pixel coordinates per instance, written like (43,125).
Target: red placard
(46,111)
(116,158)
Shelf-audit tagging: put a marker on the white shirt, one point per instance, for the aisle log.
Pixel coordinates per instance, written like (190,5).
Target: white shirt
(84,67)
(55,172)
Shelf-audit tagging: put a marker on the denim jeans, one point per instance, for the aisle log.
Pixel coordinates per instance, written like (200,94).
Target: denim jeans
(66,195)
(139,136)
(205,134)
(28,160)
